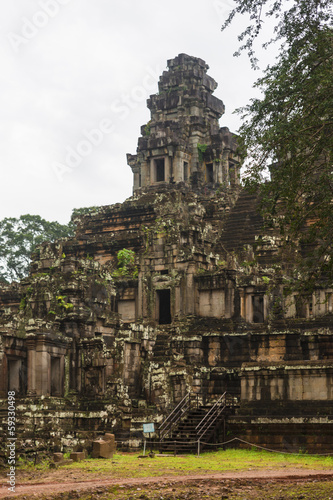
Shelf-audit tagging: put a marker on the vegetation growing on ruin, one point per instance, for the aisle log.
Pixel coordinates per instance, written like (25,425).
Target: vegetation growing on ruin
(147,129)
(63,302)
(201,150)
(126,264)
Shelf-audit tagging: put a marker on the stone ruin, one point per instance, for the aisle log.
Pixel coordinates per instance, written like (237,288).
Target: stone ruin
(92,348)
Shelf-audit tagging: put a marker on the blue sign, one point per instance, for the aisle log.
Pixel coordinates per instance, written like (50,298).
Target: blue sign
(148,428)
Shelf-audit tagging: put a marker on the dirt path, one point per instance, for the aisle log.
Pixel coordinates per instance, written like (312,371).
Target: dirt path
(263,475)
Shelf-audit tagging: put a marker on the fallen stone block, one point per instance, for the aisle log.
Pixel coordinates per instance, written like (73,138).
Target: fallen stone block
(111,439)
(58,457)
(77,456)
(102,449)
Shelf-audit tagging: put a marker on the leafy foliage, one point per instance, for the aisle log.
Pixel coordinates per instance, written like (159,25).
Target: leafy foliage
(18,239)
(126,264)
(62,302)
(289,131)
(201,150)
(302,20)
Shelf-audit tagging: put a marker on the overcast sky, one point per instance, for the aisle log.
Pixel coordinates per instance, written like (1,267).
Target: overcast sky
(75,77)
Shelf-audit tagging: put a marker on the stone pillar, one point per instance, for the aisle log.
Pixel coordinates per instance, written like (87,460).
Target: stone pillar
(177,308)
(242,304)
(3,377)
(43,382)
(225,167)
(151,171)
(145,173)
(248,306)
(62,375)
(193,141)
(219,175)
(190,289)
(229,297)
(136,179)
(178,162)
(139,297)
(79,349)
(167,168)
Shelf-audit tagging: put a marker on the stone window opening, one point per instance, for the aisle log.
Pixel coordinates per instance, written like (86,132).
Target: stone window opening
(159,170)
(164,307)
(185,171)
(15,375)
(258,308)
(165,271)
(209,173)
(183,238)
(55,377)
(301,306)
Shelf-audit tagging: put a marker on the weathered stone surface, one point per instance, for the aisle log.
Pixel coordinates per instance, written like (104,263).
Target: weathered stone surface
(90,348)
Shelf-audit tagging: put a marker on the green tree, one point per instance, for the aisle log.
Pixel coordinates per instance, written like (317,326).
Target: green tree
(19,237)
(289,131)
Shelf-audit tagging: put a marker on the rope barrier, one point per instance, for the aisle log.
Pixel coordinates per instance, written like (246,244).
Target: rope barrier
(198,442)
(267,449)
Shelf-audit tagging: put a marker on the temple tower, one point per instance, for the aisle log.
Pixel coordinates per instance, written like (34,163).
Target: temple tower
(183,142)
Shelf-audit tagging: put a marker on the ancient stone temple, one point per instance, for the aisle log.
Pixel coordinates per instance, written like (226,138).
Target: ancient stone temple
(184,125)
(178,289)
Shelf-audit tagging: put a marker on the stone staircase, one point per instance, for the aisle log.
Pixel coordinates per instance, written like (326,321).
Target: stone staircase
(162,347)
(243,223)
(191,424)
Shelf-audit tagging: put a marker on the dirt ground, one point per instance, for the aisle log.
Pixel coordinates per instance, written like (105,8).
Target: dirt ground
(277,484)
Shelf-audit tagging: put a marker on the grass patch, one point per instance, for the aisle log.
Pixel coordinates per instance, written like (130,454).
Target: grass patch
(129,465)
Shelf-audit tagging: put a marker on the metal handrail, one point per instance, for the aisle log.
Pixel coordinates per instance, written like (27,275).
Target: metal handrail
(211,422)
(173,418)
(201,423)
(211,416)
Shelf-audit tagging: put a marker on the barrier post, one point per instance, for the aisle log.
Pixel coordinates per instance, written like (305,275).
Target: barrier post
(198,447)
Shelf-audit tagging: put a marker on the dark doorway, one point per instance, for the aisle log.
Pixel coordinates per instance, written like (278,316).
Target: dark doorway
(300,303)
(55,377)
(164,307)
(14,375)
(258,308)
(185,171)
(159,168)
(17,376)
(209,173)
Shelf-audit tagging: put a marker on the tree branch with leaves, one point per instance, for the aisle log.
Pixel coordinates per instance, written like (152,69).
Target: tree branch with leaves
(288,132)
(18,239)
